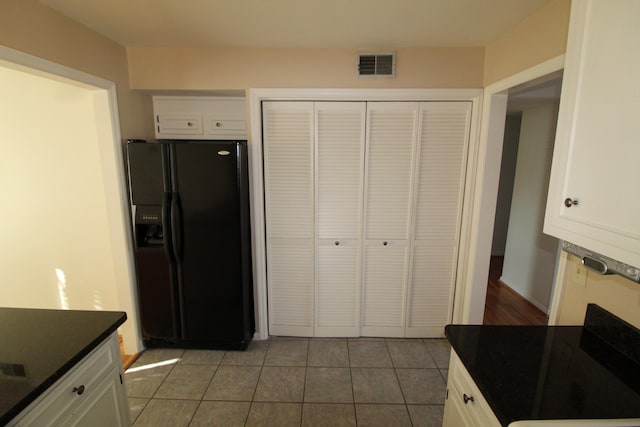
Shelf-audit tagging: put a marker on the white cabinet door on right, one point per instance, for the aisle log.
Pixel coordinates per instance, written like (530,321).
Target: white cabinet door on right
(593,197)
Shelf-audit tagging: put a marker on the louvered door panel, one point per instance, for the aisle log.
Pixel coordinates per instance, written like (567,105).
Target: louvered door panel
(288,168)
(339,169)
(443,142)
(339,186)
(289,211)
(390,149)
(430,294)
(444,136)
(337,288)
(290,264)
(384,280)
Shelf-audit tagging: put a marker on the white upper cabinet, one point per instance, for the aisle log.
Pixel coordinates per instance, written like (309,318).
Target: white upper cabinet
(593,198)
(199,117)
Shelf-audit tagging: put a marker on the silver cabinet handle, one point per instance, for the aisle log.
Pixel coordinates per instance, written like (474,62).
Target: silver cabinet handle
(568,202)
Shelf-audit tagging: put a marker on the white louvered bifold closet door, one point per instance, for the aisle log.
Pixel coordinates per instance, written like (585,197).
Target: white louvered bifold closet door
(289,210)
(442,153)
(339,192)
(391,129)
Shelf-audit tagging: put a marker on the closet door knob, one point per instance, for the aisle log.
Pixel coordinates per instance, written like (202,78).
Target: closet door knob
(568,202)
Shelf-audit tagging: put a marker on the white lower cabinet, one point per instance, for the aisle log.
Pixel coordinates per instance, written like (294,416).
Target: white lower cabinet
(92,393)
(465,406)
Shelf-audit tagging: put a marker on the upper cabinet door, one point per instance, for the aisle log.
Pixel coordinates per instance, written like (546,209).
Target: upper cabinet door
(593,199)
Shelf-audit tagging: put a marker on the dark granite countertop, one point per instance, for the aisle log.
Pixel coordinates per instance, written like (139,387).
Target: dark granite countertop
(551,372)
(37,347)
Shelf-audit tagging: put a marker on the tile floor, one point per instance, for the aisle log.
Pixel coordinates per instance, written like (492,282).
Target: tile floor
(293,382)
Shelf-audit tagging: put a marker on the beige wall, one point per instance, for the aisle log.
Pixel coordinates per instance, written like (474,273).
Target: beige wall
(31,27)
(530,256)
(538,38)
(242,68)
(614,293)
(56,250)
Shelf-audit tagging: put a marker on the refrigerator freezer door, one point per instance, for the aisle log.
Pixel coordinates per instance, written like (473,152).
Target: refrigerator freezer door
(146,175)
(155,270)
(207,180)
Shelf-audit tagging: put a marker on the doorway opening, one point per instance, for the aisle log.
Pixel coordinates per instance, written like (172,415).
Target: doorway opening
(523,259)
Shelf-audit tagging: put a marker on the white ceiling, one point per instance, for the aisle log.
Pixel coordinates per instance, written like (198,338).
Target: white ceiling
(356,24)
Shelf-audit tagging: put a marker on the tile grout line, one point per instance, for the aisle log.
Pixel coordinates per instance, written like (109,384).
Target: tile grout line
(395,372)
(353,392)
(269,341)
(206,388)
(304,383)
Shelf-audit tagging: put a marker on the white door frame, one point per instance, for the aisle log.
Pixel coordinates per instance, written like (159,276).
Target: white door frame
(113,172)
(256,96)
(487,178)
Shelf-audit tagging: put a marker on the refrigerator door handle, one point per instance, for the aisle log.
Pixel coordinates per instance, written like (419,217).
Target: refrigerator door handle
(176,226)
(168,246)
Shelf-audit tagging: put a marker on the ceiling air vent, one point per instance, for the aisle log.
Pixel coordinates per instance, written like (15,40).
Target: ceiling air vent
(376,64)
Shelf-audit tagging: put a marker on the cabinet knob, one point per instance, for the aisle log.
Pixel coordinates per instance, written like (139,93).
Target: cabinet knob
(467,399)
(78,390)
(336,243)
(568,202)
(218,124)
(385,243)
(189,124)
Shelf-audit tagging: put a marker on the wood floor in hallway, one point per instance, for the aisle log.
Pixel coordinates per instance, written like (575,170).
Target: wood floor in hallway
(504,306)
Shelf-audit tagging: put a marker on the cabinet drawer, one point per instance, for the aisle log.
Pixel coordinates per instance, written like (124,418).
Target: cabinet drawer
(179,124)
(463,385)
(227,127)
(61,397)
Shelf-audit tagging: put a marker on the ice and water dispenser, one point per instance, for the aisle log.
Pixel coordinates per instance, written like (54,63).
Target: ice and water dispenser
(147,192)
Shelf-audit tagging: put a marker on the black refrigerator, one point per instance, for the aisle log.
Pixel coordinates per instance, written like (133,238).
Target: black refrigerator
(192,245)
